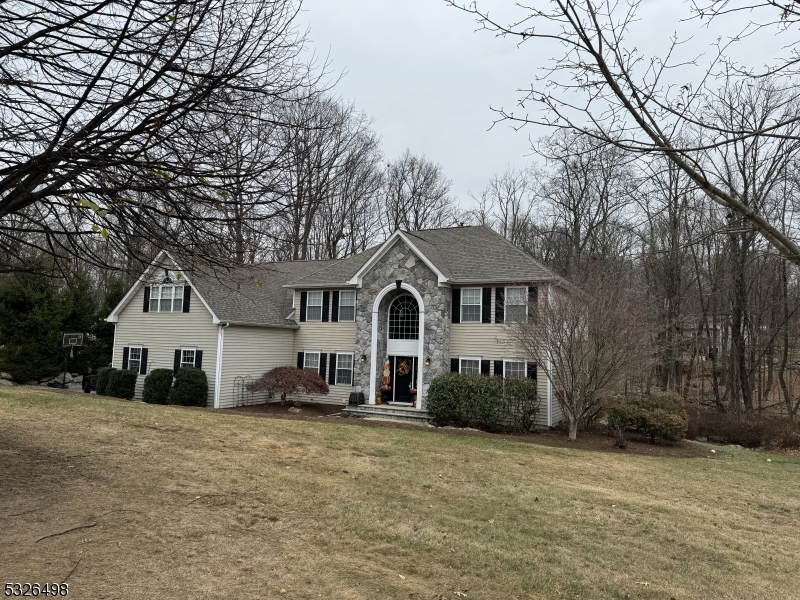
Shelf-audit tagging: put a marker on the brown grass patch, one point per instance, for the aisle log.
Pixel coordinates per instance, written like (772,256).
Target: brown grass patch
(195,504)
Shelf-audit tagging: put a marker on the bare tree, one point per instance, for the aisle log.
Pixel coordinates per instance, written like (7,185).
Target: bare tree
(416,195)
(603,87)
(506,204)
(586,344)
(95,100)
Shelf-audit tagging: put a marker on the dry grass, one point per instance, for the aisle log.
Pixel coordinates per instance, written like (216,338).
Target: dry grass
(192,504)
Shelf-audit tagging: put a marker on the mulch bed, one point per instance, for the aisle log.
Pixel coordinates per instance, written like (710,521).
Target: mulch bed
(595,439)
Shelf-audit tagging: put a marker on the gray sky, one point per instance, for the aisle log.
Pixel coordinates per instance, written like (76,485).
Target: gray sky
(428,80)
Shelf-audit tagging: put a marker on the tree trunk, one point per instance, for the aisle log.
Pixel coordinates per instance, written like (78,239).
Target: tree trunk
(573,428)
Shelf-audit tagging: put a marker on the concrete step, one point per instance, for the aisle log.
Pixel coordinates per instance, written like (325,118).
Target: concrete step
(400,414)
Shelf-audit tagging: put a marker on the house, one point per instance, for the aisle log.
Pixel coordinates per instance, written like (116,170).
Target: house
(421,304)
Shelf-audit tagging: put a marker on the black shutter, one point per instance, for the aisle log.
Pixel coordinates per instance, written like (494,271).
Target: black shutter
(125,358)
(456,306)
(326,299)
(498,368)
(303,300)
(146,299)
(335,308)
(332,371)
(353,371)
(454,365)
(177,364)
(300,357)
(486,306)
(532,370)
(484,367)
(198,359)
(143,365)
(187,297)
(499,305)
(533,299)
(322,358)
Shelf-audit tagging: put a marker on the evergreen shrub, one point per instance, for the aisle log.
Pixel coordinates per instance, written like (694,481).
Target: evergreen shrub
(121,384)
(190,388)
(157,386)
(102,380)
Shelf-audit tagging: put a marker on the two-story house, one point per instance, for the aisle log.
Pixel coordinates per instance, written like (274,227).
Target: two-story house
(421,304)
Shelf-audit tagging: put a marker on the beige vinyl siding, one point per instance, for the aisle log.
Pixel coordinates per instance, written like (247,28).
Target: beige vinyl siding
(491,341)
(330,338)
(251,351)
(163,333)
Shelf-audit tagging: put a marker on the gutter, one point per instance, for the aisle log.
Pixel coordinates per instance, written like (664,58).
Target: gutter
(267,325)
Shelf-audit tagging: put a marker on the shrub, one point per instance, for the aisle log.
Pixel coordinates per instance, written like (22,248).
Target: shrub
(190,388)
(662,417)
(157,386)
(102,380)
(121,384)
(486,403)
(750,432)
(522,403)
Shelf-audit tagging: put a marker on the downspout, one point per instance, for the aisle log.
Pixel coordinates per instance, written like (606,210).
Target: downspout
(114,345)
(218,373)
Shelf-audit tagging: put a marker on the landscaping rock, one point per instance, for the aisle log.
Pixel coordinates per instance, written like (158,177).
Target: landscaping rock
(295,410)
(5,382)
(5,375)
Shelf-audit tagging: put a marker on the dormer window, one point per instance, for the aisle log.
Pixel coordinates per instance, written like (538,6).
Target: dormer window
(166,298)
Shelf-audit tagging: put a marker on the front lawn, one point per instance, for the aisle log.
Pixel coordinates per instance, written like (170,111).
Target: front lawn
(187,503)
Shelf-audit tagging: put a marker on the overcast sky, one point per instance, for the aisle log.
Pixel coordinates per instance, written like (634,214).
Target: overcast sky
(428,80)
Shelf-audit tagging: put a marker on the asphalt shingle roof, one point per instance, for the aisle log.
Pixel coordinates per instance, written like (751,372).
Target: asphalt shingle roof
(463,254)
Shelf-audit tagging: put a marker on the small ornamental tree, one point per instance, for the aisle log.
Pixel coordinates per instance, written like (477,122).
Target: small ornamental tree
(290,380)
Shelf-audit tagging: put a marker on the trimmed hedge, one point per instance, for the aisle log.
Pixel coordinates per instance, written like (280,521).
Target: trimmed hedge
(157,386)
(121,384)
(102,380)
(190,388)
(481,402)
(662,417)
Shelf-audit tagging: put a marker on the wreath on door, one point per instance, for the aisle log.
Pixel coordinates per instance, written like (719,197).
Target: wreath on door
(403,369)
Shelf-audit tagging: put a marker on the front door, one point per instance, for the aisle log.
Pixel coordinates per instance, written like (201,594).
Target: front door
(403,368)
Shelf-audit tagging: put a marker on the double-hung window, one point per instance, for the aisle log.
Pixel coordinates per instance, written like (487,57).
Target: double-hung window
(516,305)
(469,366)
(166,298)
(344,369)
(311,361)
(514,369)
(347,305)
(135,358)
(187,357)
(471,305)
(314,306)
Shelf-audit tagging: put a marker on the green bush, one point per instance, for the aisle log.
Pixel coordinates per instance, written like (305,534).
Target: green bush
(190,388)
(486,403)
(521,402)
(121,384)
(157,386)
(102,380)
(662,417)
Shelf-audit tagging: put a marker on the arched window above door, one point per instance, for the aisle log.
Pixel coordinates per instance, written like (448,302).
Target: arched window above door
(404,318)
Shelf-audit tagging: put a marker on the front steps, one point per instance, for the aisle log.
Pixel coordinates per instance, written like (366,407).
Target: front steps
(387,412)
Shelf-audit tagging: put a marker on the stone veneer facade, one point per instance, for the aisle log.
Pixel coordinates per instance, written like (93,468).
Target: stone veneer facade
(400,262)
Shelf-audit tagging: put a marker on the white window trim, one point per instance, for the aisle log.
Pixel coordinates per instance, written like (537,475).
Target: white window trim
(321,301)
(319,359)
(194,355)
(140,357)
(480,305)
(158,286)
(515,360)
(352,368)
(354,306)
(463,358)
(505,301)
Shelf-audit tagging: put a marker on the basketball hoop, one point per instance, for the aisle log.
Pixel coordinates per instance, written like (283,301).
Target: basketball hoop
(72,341)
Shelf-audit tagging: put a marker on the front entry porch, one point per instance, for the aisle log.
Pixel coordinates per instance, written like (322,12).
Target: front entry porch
(388,412)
